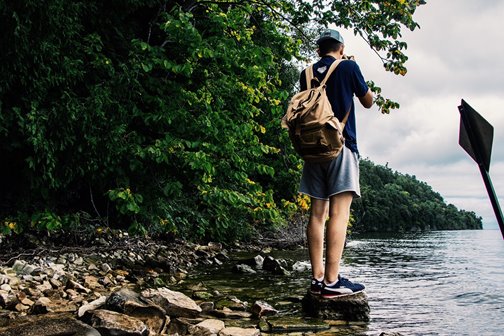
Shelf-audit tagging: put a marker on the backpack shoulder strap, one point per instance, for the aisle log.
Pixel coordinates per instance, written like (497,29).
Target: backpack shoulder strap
(309,76)
(330,71)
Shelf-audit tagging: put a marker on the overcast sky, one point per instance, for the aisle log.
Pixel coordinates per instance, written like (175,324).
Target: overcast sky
(457,53)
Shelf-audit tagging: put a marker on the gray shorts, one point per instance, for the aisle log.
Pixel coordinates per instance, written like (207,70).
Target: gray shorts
(323,180)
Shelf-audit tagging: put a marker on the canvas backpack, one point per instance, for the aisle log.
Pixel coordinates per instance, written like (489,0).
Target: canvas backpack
(316,134)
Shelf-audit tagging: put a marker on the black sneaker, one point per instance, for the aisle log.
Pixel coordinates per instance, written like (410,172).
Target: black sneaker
(342,287)
(316,286)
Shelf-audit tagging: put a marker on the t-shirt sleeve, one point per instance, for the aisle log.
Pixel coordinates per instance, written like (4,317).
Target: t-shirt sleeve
(359,84)
(302,80)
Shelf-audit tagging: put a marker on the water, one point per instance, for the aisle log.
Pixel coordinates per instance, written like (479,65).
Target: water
(436,283)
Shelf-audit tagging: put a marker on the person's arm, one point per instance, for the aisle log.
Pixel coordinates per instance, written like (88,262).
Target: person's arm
(367,99)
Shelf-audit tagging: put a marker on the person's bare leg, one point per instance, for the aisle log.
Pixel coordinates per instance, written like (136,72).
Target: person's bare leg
(339,213)
(315,235)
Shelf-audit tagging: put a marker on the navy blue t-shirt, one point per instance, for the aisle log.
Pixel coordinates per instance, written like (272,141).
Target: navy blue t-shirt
(345,81)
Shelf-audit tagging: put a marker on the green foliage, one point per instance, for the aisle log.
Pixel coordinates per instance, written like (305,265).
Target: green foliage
(162,116)
(395,202)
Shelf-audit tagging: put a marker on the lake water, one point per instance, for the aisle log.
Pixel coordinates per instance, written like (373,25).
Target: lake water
(436,283)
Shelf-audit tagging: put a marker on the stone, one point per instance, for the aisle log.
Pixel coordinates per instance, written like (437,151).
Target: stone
(261,308)
(91,282)
(178,326)
(390,334)
(242,268)
(256,262)
(112,323)
(286,324)
(235,331)
(45,325)
(42,306)
(6,287)
(230,314)
(301,266)
(77,286)
(45,287)
(128,302)
(174,303)
(8,300)
(96,304)
(106,267)
(274,266)
(207,306)
(348,307)
(207,327)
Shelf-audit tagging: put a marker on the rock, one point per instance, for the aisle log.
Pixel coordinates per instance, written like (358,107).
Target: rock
(231,302)
(42,306)
(71,284)
(256,262)
(91,282)
(112,323)
(22,267)
(96,304)
(207,306)
(349,307)
(261,308)
(128,302)
(49,326)
(230,314)
(274,266)
(390,334)
(106,267)
(6,287)
(235,331)
(174,303)
(242,268)
(8,300)
(180,326)
(301,266)
(287,324)
(45,287)
(206,328)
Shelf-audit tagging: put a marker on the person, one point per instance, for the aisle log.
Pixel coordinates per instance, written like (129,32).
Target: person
(333,185)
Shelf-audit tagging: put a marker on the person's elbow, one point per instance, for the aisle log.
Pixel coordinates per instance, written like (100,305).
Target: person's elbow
(367,99)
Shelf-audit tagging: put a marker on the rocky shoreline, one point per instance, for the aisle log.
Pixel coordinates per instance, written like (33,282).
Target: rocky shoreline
(127,286)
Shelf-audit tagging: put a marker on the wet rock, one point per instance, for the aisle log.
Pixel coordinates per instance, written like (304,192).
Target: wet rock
(256,262)
(261,308)
(206,328)
(349,307)
(230,314)
(390,334)
(235,331)
(242,268)
(109,323)
(301,266)
(49,326)
(174,303)
(274,266)
(231,302)
(292,324)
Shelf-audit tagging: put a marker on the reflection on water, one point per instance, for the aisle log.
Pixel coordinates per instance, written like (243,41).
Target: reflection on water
(437,283)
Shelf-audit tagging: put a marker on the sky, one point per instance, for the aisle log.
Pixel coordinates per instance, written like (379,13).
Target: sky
(456,54)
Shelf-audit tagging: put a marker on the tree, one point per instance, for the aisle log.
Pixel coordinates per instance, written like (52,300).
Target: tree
(162,115)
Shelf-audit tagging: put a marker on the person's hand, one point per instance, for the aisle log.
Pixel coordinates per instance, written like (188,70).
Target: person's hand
(349,57)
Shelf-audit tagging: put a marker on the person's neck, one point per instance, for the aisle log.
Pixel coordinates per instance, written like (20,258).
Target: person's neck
(334,54)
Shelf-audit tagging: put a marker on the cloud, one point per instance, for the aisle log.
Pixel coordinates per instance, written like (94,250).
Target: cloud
(456,54)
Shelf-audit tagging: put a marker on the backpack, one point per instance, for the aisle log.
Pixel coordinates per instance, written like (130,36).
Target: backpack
(316,134)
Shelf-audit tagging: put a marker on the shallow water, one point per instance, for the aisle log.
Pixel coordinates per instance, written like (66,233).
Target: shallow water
(436,283)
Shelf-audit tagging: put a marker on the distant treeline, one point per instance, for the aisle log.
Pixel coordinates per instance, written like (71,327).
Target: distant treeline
(395,202)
